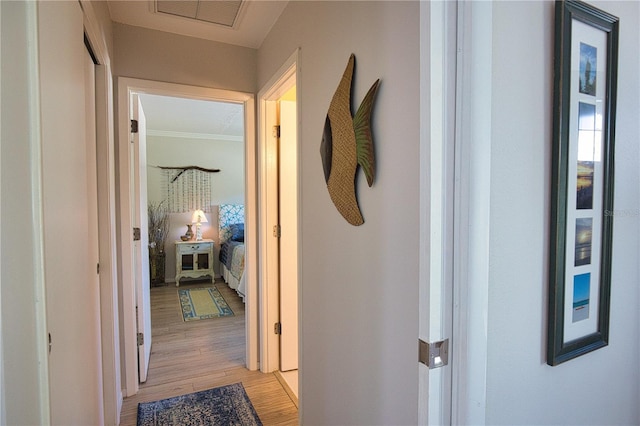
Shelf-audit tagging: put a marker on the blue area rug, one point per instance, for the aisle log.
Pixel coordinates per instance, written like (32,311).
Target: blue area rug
(226,405)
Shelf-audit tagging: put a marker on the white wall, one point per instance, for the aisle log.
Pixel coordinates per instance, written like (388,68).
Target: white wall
(359,285)
(21,374)
(227,186)
(160,56)
(358,366)
(600,387)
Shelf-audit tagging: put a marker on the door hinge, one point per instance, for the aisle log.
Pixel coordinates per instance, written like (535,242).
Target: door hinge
(98,268)
(136,234)
(134,126)
(276,131)
(277,231)
(277,328)
(435,354)
(140,339)
(49,342)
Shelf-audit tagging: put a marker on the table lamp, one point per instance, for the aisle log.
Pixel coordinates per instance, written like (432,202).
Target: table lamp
(198,218)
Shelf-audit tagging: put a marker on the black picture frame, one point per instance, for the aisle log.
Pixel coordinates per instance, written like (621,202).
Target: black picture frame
(581,226)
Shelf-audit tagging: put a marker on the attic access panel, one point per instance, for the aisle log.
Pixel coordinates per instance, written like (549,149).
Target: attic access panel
(221,12)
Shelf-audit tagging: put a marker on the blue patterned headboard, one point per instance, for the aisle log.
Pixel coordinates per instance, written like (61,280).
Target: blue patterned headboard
(228,214)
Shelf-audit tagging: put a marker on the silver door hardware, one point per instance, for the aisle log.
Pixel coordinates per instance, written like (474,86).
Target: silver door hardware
(435,354)
(136,234)
(277,231)
(140,338)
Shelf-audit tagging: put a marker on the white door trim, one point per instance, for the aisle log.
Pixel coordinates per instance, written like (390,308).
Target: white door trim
(37,218)
(456,42)
(437,160)
(109,323)
(126,86)
(472,221)
(286,77)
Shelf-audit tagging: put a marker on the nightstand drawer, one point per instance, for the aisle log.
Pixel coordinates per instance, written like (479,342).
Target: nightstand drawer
(192,248)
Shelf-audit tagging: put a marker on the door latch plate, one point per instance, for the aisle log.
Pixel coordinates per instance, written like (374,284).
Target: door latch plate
(435,354)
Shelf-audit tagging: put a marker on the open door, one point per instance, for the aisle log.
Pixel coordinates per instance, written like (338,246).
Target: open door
(141,237)
(278,211)
(288,212)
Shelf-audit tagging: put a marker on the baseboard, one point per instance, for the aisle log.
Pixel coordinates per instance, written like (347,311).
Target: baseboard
(119,407)
(286,387)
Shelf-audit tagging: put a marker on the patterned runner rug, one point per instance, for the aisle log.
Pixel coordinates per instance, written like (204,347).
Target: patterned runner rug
(202,303)
(226,405)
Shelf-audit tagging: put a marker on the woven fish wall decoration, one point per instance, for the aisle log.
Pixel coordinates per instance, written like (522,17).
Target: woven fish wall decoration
(347,143)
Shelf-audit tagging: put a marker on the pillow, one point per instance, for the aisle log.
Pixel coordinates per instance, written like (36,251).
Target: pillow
(237,232)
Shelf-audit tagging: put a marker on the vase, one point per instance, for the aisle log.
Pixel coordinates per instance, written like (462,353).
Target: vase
(189,232)
(156,268)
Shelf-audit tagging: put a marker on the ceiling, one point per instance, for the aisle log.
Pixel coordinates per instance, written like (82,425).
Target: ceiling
(195,119)
(249,26)
(243,23)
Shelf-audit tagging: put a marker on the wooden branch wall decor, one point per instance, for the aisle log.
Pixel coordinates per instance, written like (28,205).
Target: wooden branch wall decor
(191,192)
(185,168)
(346,143)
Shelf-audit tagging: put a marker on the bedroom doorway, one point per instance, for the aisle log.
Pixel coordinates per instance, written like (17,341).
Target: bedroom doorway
(127,87)
(279,211)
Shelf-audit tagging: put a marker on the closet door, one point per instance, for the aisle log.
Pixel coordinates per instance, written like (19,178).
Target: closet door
(69,216)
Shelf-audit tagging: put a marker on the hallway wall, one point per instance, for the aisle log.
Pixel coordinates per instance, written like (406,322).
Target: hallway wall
(601,387)
(350,275)
(45,222)
(359,285)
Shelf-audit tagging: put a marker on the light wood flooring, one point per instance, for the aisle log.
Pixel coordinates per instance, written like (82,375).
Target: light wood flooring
(192,356)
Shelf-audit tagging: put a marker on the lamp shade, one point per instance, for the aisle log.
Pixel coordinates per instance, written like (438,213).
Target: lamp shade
(199,217)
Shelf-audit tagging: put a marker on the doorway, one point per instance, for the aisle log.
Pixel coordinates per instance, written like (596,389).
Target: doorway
(126,89)
(279,211)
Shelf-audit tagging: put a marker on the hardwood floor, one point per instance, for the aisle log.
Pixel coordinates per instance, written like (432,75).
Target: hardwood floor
(197,355)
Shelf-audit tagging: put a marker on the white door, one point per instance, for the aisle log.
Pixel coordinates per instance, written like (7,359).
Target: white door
(69,215)
(289,237)
(278,304)
(141,245)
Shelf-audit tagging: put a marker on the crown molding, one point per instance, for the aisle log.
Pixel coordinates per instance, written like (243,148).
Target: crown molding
(193,135)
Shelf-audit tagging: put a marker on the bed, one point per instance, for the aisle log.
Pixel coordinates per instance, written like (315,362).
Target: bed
(231,235)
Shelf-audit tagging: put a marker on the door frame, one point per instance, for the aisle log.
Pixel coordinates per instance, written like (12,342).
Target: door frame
(105,153)
(455,164)
(127,86)
(286,77)
(438,83)
(472,205)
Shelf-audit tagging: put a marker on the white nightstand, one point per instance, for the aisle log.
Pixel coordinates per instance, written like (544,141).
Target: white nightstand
(194,259)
